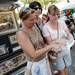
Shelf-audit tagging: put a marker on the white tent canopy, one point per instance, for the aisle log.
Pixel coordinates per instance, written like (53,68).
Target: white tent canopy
(63,6)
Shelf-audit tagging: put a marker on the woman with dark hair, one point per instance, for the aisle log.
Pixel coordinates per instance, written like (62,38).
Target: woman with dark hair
(33,45)
(38,11)
(35,5)
(44,18)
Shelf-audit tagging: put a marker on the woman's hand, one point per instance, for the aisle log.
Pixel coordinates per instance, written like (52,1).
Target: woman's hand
(55,47)
(62,42)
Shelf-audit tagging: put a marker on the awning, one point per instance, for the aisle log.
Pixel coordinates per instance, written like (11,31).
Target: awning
(64,6)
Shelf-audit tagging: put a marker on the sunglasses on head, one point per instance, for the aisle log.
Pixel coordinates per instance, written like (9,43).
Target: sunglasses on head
(28,10)
(25,12)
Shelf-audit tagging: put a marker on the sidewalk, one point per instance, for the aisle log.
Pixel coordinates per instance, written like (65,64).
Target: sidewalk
(72,68)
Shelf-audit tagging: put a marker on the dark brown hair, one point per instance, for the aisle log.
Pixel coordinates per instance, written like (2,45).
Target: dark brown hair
(34,4)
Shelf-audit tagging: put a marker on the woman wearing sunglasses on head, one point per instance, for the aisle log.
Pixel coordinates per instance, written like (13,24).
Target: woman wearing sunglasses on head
(55,30)
(33,45)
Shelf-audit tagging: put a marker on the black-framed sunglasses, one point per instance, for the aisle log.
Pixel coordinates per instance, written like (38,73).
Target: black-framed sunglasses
(36,8)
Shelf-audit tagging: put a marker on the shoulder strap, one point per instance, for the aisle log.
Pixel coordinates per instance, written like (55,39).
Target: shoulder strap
(57,31)
(41,32)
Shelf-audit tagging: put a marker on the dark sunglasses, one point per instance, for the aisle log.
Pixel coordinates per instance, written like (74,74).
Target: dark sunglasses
(36,8)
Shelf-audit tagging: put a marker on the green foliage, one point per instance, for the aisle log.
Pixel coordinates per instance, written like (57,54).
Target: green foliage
(24,1)
(44,3)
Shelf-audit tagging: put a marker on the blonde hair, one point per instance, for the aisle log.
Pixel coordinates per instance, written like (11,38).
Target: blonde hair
(53,8)
(25,13)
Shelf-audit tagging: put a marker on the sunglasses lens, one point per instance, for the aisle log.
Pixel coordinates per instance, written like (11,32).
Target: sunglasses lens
(36,8)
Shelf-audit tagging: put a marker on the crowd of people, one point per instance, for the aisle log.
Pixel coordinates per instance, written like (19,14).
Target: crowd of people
(70,21)
(39,37)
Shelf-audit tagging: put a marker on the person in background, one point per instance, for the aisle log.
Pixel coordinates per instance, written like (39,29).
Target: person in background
(70,22)
(44,18)
(33,45)
(35,5)
(38,11)
(55,30)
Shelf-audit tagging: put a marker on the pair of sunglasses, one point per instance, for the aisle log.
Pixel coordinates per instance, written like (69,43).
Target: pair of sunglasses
(36,8)
(25,12)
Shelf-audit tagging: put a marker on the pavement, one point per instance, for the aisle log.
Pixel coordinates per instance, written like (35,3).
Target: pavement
(72,68)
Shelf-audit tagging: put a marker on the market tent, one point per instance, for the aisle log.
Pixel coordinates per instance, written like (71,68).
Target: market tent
(64,6)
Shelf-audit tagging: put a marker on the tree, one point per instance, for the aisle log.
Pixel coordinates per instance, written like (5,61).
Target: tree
(44,3)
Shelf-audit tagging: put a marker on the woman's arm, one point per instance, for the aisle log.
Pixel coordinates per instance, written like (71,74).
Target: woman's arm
(48,40)
(69,34)
(69,37)
(61,42)
(28,48)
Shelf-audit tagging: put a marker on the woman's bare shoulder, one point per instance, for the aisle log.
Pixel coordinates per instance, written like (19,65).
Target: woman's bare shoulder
(21,34)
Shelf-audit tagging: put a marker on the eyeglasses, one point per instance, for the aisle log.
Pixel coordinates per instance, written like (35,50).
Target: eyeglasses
(36,8)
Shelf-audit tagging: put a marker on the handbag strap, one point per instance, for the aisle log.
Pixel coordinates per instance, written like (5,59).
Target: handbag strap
(41,33)
(57,31)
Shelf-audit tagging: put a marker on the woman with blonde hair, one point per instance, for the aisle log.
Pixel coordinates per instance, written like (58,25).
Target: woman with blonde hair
(55,30)
(33,45)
